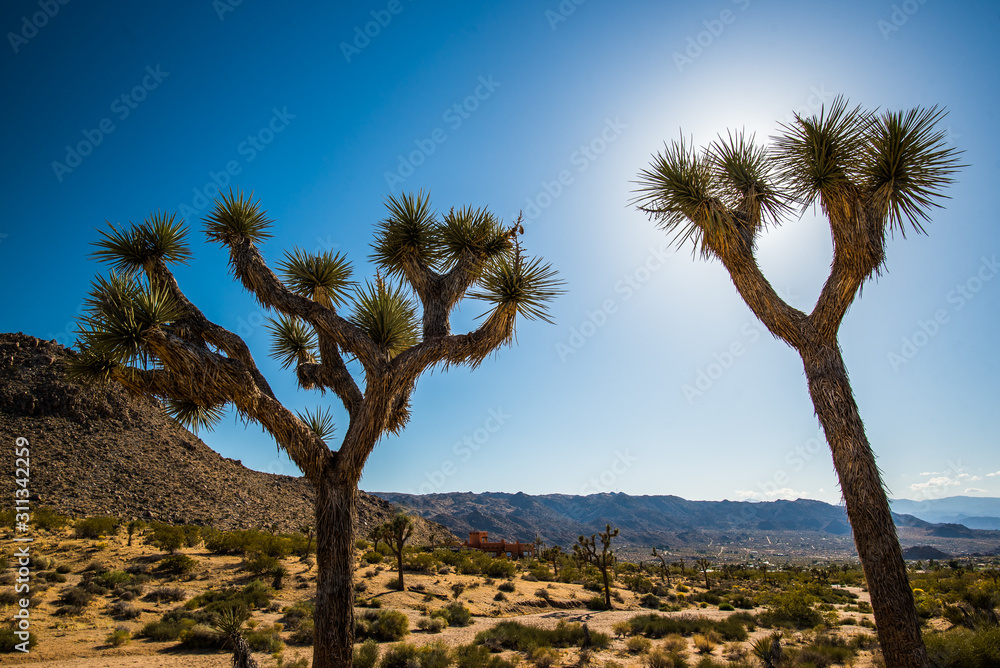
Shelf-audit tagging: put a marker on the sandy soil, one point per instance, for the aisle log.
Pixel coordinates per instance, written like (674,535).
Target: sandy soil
(80,641)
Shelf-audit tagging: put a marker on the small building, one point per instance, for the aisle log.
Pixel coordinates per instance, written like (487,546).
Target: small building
(516,550)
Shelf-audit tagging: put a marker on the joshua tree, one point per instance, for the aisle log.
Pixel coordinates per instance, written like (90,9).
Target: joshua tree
(703,565)
(142,332)
(395,533)
(664,566)
(552,555)
(229,625)
(870,174)
(586,551)
(308,531)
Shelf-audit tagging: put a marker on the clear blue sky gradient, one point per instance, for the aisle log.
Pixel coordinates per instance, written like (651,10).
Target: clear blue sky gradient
(551,108)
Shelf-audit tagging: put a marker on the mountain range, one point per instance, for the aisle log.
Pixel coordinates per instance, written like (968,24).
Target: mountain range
(974,512)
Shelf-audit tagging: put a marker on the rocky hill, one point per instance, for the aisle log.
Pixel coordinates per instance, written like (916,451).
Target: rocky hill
(98,450)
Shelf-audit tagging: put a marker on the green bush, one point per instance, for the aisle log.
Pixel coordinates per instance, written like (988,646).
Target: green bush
(507,586)
(366,655)
(45,517)
(478,656)
(258,564)
(733,627)
(518,637)
(120,636)
(500,568)
(265,639)
(161,631)
(382,625)
(964,648)
(95,527)
(201,636)
(9,640)
(455,614)
(177,564)
(791,608)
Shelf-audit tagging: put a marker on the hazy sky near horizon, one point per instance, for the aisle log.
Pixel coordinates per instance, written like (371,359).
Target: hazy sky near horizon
(655,377)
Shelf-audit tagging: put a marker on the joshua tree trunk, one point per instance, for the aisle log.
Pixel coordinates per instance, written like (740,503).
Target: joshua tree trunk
(334,624)
(867,506)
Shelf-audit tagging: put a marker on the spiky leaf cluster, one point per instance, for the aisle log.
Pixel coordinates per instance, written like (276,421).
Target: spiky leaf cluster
(194,415)
(413,233)
(130,249)
(410,233)
(320,422)
(120,311)
(527,285)
(386,314)
(292,341)
(322,277)
(236,218)
(854,163)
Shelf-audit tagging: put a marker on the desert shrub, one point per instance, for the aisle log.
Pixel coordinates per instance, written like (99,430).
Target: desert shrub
(659,658)
(265,639)
(251,540)
(123,610)
(177,564)
(95,527)
(432,624)
(791,608)
(164,630)
(45,517)
(434,655)
(52,576)
(478,656)
(596,603)
(255,595)
(304,632)
(507,586)
(728,607)
(518,637)
(383,625)
(294,614)
(75,596)
(733,627)
(638,645)
(455,614)
(201,636)
(704,644)
(169,594)
(8,597)
(650,601)
(964,648)
(500,568)
(120,636)
(544,657)
(9,640)
(257,563)
(500,596)
(402,655)
(166,537)
(371,557)
(366,655)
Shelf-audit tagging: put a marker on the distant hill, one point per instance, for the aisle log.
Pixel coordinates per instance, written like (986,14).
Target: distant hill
(971,511)
(98,450)
(924,552)
(649,520)
(798,527)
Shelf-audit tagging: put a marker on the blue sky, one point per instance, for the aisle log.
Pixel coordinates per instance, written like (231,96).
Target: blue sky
(552,108)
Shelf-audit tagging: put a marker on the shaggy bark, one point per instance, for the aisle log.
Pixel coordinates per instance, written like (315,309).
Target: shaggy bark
(897,623)
(334,629)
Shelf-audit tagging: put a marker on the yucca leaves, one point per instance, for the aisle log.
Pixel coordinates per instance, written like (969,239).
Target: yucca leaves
(527,285)
(857,165)
(159,236)
(680,192)
(292,341)
(744,174)
(120,312)
(410,231)
(906,165)
(820,156)
(470,230)
(235,218)
(387,316)
(323,277)
(320,422)
(193,415)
